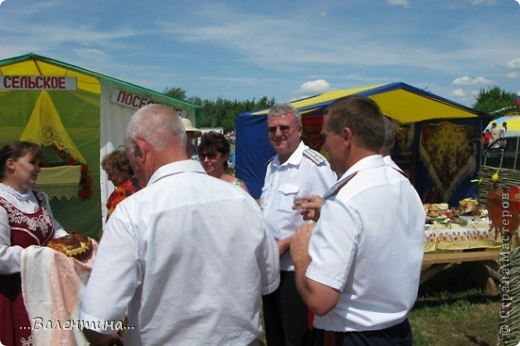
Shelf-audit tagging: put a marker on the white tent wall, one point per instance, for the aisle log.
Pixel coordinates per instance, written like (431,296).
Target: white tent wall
(114,119)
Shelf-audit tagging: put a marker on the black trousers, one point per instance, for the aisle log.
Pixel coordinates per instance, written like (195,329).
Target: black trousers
(286,315)
(398,335)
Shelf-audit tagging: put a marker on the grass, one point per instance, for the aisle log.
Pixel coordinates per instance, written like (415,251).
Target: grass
(466,318)
(453,309)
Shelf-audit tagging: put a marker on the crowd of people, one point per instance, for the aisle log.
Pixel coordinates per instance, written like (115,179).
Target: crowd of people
(493,137)
(188,257)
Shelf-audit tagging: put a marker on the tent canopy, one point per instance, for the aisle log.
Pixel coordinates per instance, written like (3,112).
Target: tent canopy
(400,101)
(513,123)
(88,109)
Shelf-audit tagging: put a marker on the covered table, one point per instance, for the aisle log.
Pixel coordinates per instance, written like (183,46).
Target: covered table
(447,243)
(452,236)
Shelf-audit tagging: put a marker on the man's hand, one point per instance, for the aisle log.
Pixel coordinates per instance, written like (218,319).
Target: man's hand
(310,209)
(300,246)
(283,245)
(98,339)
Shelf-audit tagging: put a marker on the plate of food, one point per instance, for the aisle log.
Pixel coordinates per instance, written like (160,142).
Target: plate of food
(438,219)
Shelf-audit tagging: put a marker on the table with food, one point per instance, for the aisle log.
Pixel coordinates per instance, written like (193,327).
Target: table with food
(462,228)
(465,233)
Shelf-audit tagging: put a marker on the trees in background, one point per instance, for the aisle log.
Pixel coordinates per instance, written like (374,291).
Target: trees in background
(220,112)
(495,101)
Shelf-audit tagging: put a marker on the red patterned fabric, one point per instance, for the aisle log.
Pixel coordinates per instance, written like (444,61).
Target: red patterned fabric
(312,132)
(448,152)
(26,230)
(124,190)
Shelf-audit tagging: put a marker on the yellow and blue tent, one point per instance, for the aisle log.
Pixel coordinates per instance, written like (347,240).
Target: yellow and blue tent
(513,123)
(400,101)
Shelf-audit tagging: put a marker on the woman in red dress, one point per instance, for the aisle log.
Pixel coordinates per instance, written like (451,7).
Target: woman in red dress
(25,219)
(120,173)
(486,138)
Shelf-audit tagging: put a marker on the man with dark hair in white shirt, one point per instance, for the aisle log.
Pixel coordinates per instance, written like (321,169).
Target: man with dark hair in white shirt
(358,269)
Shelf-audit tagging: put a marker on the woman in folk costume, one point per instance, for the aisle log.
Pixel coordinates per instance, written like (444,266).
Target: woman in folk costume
(25,219)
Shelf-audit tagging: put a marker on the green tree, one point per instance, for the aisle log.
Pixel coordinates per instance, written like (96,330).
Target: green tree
(219,112)
(176,93)
(195,100)
(495,101)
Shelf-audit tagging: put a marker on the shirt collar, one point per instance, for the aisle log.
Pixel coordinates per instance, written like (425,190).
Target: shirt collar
(176,168)
(20,196)
(368,162)
(295,158)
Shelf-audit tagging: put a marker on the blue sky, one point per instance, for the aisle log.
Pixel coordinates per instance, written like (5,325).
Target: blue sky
(286,49)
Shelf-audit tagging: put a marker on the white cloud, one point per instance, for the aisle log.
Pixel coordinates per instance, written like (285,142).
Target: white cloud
(484,2)
(90,53)
(315,87)
(462,96)
(458,93)
(515,74)
(404,3)
(311,88)
(465,80)
(515,63)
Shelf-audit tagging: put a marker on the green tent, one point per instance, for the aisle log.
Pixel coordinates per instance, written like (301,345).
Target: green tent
(78,116)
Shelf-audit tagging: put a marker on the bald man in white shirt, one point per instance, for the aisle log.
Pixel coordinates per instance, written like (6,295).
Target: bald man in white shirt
(175,256)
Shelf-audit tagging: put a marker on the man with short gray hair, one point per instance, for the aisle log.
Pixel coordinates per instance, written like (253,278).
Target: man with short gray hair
(176,255)
(296,170)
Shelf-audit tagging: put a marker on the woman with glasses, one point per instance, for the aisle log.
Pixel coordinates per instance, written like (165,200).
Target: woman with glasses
(214,155)
(26,219)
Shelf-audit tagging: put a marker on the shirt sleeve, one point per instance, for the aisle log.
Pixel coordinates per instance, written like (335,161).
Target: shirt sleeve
(59,231)
(115,276)
(10,256)
(333,245)
(269,263)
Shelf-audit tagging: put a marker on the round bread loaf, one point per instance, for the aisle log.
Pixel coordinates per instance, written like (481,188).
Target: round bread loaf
(72,245)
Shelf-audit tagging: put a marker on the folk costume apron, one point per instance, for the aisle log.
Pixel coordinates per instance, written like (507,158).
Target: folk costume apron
(26,229)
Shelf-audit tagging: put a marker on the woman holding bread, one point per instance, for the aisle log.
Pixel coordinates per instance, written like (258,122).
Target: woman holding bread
(25,219)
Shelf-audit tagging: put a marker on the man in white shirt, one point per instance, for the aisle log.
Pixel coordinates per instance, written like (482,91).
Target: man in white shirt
(358,270)
(191,134)
(494,136)
(296,170)
(502,134)
(187,257)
